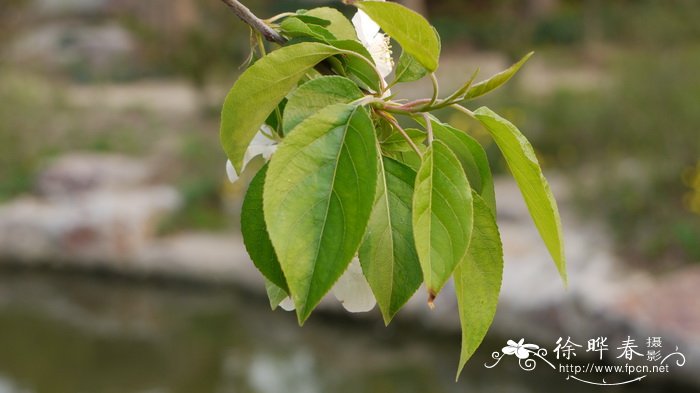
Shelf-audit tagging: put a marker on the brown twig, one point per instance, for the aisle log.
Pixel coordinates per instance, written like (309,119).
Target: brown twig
(253,21)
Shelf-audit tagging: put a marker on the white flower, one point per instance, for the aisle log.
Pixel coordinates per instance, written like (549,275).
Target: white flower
(519,349)
(353,291)
(377,44)
(261,145)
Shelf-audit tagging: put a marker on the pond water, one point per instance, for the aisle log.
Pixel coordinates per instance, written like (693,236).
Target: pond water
(75,333)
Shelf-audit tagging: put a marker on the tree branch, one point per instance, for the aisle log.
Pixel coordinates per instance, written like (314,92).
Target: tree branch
(253,21)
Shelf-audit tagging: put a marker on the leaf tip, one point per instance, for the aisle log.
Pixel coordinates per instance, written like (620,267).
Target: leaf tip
(431,299)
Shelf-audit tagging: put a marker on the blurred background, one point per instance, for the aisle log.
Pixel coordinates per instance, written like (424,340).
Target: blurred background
(121,264)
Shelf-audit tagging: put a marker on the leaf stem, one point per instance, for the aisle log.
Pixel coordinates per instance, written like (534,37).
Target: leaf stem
(428,127)
(463,110)
(256,23)
(279,16)
(403,133)
(436,89)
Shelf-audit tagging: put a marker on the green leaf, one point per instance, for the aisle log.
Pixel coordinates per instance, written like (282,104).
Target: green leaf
(396,142)
(388,254)
(275,294)
(472,157)
(415,35)
(483,87)
(339,26)
(526,170)
(295,27)
(408,69)
(409,158)
(318,198)
(442,215)
(254,231)
(358,70)
(258,91)
(478,280)
(312,20)
(315,95)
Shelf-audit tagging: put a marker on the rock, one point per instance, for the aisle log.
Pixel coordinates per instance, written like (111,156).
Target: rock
(79,173)
(92,209)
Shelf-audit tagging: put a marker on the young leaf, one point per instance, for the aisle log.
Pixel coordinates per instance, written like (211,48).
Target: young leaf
(472,157)
(315,95)
(478,280)
(442,215)
(526,170)
(259,89)
(409,158)
(295,27)
(339,25)
(415,35)
(254,231)
(483,87)
(312,20)
(388,254)
(318,198)
(408,69)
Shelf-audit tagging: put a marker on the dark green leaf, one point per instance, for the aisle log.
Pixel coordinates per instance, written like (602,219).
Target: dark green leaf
(359,70)
(442,215)
(478,280)
(415,35)
(312,20)
(388,254)
(254,231)
(526,170)
(315,95)
(258,91)
(472,157)
(408,69)
(295,27)
(318,198)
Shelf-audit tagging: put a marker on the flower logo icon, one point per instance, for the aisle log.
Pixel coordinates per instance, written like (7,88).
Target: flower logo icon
(519,349)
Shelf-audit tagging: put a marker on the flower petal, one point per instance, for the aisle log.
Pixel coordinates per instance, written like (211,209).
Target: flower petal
(522,353)
(231,172)
(353,291)
(508,350)
(512,343)
(287,304)
(365,27)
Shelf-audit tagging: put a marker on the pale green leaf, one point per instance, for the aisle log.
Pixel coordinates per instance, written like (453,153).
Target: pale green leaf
(408,69)
(315,95)
(442,215)
(254,231)
(478,280)
(318,198)
(259,89)
(486,86)
(388,254)
(339,26)
(415,35)
(526,170)
(472,157)
(275,294)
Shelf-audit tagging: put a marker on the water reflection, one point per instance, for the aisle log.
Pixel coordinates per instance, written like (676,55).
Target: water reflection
(67,333)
